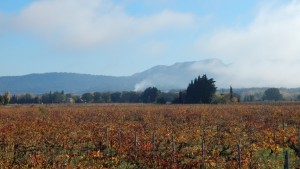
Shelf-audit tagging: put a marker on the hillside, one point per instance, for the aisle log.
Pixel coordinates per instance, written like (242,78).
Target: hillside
(176,76)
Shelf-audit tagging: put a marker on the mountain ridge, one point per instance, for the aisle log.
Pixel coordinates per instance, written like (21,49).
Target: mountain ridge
(165,77)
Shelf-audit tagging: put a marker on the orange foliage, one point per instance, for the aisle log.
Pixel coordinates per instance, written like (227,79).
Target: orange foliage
(74,136)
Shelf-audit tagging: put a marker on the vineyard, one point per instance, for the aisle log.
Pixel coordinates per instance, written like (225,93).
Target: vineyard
(150,136)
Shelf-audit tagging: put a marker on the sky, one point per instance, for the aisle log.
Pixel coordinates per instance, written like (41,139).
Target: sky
(259,40)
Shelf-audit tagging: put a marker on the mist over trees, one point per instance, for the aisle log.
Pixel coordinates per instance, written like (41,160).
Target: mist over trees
(272,94)
(201,90)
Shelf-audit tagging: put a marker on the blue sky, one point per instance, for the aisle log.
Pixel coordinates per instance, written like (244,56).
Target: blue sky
(122,37)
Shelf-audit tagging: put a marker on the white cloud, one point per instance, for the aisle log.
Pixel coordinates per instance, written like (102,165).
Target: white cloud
(143,85)
(85,23)
(154,48)
(264,53)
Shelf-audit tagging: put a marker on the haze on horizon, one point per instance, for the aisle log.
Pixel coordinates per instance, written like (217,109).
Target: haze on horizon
(257,40)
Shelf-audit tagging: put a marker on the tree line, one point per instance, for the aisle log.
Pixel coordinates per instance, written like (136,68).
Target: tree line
(149,95)
(201,90)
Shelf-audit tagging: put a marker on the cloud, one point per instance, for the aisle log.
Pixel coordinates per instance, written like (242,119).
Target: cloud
(88,23)
(154,48)
(143,85)
(265,52)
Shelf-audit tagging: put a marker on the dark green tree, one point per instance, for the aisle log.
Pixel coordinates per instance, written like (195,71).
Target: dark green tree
(116,97)
(58,97)
(161,100)
(46,98)
(130,97)
(272,94)
(78,99)
(1,100)
(26,99)
(180,99)
(201,90)
(14,99)
(106,97)
(50,97)
(87,98)
(150,94)
(231,93)
(97,97)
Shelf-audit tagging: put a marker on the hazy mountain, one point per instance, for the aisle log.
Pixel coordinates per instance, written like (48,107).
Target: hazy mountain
(69,82)
(176,76)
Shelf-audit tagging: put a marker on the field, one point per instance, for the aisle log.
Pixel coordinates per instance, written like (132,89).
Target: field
(149,136)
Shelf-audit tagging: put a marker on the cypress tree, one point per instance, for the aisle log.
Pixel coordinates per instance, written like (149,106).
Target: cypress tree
(201,90)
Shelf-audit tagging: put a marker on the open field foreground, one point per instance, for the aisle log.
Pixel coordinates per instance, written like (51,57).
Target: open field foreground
(149,136)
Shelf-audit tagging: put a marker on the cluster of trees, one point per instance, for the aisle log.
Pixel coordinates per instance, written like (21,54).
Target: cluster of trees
(56,97)
(200,90)
(225,98)
(149,95)
(272,94)
(5,99)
